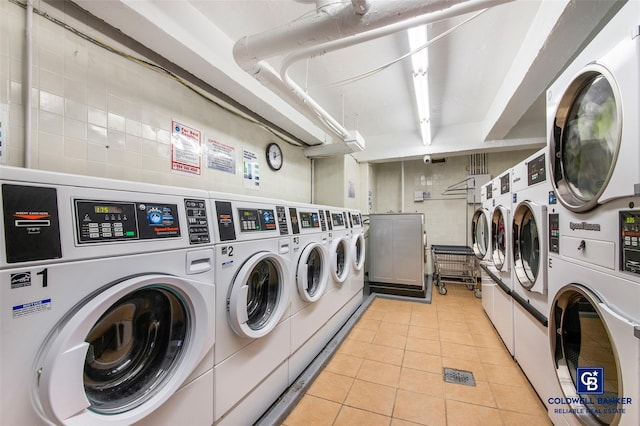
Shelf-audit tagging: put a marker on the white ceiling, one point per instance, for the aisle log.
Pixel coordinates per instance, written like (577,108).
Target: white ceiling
(487,79)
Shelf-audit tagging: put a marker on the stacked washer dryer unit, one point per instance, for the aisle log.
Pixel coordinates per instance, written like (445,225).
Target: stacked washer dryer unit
(531,193)
(501,259)
(311,275)
(358,255)
(481,244)
(253,327)
(108,302)
(594,265)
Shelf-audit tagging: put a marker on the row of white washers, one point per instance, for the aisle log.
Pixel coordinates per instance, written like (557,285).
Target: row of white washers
(129,303)
(565,300)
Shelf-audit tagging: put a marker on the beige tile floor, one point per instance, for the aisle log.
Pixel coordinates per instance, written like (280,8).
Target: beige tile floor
(388,371)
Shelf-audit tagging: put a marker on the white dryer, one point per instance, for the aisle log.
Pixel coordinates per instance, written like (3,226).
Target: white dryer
(480,234)
(108,302)
(531,191)
(594,346)
(481,244)
(501,265)
(310,311)
(253,327)
(593,126)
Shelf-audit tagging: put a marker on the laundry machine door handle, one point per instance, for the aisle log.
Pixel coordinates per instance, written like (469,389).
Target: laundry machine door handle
(62,381)
(239,305)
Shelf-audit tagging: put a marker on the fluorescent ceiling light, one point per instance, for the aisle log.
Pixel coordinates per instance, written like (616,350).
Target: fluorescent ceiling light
(419,68)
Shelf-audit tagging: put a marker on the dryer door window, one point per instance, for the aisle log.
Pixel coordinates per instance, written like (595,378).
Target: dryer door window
(311,275)
(259,295)
(480,234)
(582,340)
(499,238)
(586,139)
(527,242)
(132,349)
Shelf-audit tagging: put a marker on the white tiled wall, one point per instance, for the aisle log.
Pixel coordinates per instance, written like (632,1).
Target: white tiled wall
(97,113)
(447,218)
(341,181)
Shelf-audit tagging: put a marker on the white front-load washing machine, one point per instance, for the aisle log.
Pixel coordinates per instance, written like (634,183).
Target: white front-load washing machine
(339,252)
(358,253)
(500,269)
(253,326)
(310,311)
(531,192)
(594,346)
(108,302)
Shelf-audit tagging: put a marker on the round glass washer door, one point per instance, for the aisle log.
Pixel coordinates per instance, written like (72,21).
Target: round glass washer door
(480,233)
(358,251)
(340,259)
(527,253)
(123,352)
(499,233)
(582,339)
(312,273)
(259,295)
(585,139)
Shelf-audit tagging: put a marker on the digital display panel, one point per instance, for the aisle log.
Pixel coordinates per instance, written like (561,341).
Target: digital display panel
(108,209)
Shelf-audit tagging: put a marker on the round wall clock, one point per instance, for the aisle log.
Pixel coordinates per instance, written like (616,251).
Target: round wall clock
(274,156)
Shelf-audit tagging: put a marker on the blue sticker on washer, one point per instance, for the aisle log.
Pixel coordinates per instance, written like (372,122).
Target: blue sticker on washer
(31,308)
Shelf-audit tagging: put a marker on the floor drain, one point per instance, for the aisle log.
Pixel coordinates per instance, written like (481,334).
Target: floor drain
(461,377)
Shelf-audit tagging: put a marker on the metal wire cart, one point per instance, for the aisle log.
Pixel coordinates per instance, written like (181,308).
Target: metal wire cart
(455,264)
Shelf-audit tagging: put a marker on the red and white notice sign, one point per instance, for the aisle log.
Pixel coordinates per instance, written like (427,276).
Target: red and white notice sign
(186,148)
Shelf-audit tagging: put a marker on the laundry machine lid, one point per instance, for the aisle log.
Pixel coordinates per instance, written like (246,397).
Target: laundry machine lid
(312,273)
(358,251)
(480,233)
(124,351)
(259,295)
(340,259)
(583,333)
(585,139)
(528,243)
(499,237)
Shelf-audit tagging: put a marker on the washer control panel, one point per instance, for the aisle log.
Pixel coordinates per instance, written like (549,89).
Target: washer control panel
(106,221)
(257,220)
(337,220)
(309,220)
(630,241)
(536,170)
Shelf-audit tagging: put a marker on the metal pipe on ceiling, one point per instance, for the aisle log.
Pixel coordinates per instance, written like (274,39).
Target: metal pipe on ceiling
(336,26)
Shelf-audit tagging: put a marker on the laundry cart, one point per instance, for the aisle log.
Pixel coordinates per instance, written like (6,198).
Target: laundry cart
(455,264)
